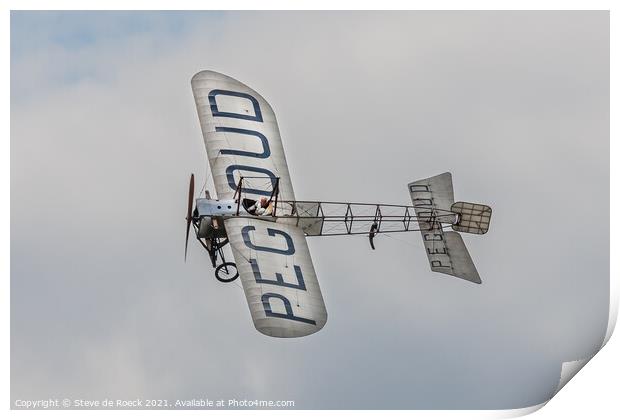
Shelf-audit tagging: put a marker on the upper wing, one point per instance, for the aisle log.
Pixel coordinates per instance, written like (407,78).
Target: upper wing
(241,136)
(278,278)
(242,139)
(432,200)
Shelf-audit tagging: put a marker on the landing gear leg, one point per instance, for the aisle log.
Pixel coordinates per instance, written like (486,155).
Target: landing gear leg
(213,252)
(226,271)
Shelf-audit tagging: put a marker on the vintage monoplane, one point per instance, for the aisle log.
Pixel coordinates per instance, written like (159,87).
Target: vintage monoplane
(257,214)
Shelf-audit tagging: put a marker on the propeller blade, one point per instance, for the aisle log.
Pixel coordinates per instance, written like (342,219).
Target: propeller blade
(188,218)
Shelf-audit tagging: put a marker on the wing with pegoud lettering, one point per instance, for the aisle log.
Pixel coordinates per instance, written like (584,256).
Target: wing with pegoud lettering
(278,277)
(241,136)
(243,140)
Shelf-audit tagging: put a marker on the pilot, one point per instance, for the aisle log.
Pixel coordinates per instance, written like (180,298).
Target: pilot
(261,208)
(268,209)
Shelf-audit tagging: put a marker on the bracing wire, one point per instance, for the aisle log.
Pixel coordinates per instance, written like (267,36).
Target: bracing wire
(398,239)
(207,175)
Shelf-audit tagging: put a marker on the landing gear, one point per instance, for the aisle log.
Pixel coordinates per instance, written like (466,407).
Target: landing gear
(213,240)
(226,272)
(207,219)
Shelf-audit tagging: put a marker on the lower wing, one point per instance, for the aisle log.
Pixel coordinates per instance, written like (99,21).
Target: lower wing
(278,277)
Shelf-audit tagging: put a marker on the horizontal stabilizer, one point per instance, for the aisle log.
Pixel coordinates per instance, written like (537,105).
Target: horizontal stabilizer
(460,262)
(433,202)
(433,193)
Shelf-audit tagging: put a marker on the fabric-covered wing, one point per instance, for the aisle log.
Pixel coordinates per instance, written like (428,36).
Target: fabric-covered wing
(278,277)
(432,199)
(241,136)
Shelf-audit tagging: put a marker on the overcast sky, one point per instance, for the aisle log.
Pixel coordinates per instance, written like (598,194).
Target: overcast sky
(104,135)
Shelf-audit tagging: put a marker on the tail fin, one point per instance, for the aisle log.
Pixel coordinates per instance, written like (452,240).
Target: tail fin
(433,202)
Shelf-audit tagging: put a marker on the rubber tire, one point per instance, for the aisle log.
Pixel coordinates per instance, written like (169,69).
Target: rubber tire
(226,264)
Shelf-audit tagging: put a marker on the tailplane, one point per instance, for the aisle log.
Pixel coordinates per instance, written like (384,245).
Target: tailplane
(433,202)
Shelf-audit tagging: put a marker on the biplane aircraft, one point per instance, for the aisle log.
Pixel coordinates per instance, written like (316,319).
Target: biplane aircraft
(257,214)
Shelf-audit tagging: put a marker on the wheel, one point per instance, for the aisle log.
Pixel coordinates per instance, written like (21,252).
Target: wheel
(226,272)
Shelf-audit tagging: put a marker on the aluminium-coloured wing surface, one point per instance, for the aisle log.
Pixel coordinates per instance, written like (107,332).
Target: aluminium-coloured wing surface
(278,277)
(241,136)
(242,139)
